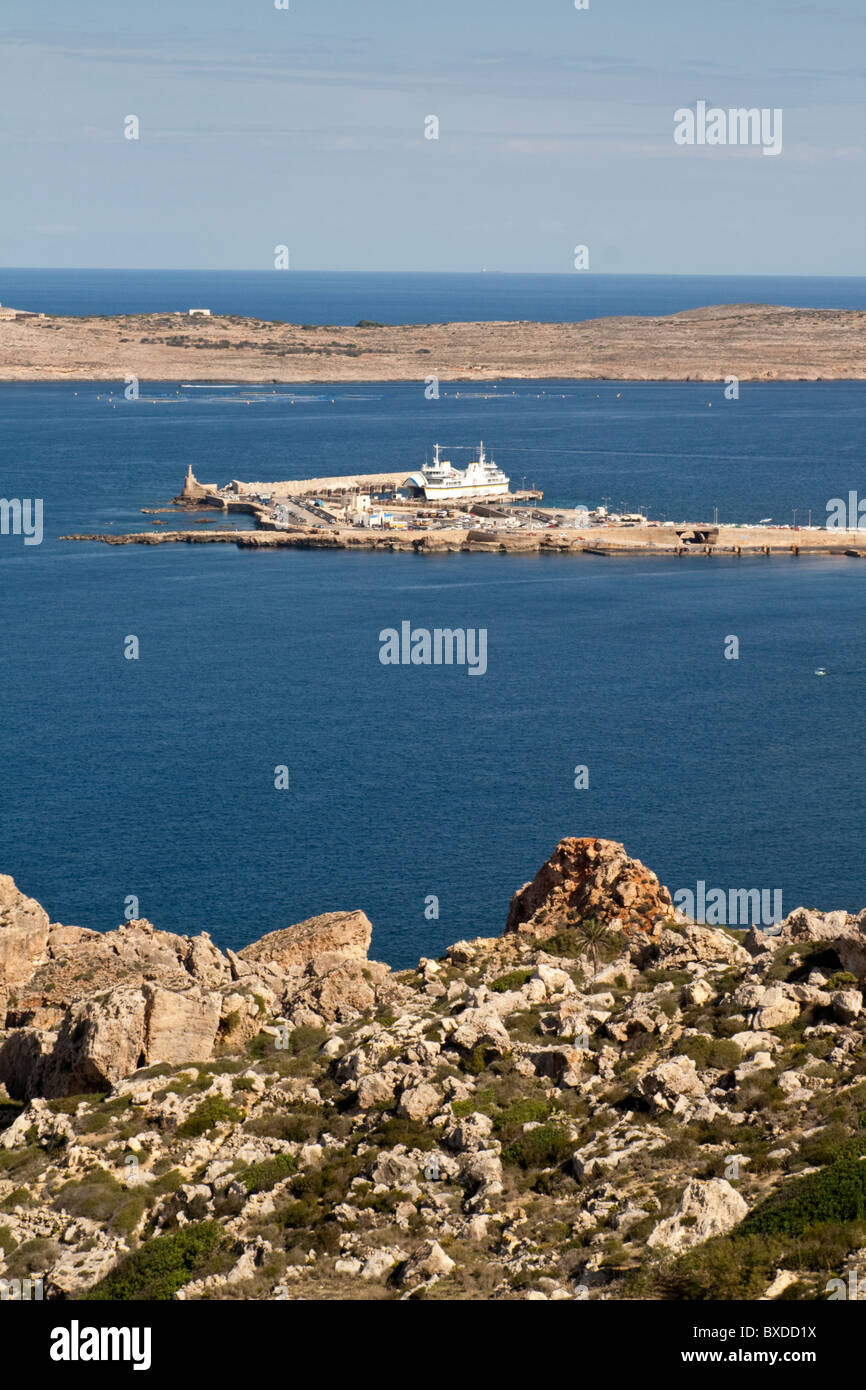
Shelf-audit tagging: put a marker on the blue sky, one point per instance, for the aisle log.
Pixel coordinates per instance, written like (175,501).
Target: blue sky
(305,127)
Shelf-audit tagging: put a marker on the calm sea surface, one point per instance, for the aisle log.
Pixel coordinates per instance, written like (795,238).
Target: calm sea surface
(156,777)
(309,296)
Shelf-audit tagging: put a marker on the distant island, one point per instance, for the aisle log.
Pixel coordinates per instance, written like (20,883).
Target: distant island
(753,342)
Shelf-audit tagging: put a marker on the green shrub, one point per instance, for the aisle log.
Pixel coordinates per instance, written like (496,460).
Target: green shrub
(67,1105)
(509,1123)
(306,1039)
(723,1269)
(542,1147)
(261,1177)
(206,1116)
(475,1062)
(835,1194)
(98,1196)
(807,956)
(843,979)
(719,1053)
(668,977)
(515,979)
(18,1197)
(483,1101)
(162,1266)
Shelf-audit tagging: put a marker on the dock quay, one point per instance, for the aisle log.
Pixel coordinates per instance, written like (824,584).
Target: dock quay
(368,512)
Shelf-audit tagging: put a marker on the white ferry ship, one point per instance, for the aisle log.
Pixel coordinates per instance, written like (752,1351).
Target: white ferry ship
(440,479)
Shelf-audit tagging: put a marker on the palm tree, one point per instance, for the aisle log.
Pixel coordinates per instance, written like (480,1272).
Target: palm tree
(594,939)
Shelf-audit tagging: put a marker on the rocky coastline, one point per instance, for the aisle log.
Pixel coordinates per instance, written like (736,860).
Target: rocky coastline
(731,541)
(606,1102)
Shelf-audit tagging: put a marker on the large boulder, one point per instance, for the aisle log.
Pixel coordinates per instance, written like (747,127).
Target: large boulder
(429,1261)
(590,878)
(180,1027)
(671,1085)
(690,941)
(332,933)
(708,1207)
(99,1042)
(335,989)
(80,963)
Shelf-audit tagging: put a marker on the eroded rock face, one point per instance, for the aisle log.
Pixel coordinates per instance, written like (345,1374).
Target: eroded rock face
(82,1009)
(591,878)
(842,934)
(23,935)
(338,933)
(102,1040)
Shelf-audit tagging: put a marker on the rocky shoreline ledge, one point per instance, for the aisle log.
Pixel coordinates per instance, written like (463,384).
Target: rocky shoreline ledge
(732,541)
(608,1101)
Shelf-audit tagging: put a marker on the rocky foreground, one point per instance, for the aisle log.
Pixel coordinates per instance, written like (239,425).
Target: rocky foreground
(606,1102)
(754,342)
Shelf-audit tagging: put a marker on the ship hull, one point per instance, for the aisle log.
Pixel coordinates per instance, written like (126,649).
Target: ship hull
(443,490)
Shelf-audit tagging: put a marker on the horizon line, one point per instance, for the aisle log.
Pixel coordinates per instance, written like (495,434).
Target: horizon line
(587,275)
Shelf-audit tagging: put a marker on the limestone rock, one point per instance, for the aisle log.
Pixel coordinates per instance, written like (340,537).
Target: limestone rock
(375,1089)
(419,1102)
(23,935)
(670,1082)
(774,1009)
(710,1207)
(847,1004)
(844,934)
(470,1133)
(592,878)
(429,1261)
(338,933)
(693,941)
(340,992)
(395,1169)
(180,1027)
(99,1042)
(477,1027)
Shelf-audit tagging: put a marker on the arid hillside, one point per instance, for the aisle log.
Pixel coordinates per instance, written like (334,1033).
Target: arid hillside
(749,341)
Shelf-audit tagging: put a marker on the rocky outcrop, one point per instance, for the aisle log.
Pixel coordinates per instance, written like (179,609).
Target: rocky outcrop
(590,878)
(23,935)
(841,933)
(346,934)
(500,1123)
(80,1009)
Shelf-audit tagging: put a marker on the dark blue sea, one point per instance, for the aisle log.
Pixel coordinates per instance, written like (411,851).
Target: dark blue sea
(155,777)
(335,297)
